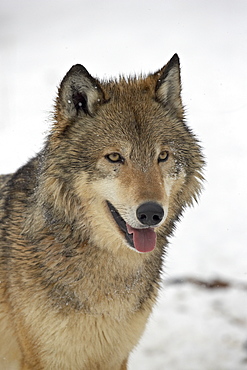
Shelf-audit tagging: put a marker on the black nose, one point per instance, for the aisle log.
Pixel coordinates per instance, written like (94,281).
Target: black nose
(150,213)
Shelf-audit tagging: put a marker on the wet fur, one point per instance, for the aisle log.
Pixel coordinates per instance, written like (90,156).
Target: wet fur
(73,293)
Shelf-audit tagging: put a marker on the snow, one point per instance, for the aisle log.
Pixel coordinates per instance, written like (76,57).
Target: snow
(191,327)
(194,328)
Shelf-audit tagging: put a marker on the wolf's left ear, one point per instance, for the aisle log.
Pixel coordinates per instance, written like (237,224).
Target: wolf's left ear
(168,86)
(79,94)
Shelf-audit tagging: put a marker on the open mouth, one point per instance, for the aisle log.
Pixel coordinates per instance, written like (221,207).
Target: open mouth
(143,240)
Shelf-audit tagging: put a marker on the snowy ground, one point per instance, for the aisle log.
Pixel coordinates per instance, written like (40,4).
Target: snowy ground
(192,327)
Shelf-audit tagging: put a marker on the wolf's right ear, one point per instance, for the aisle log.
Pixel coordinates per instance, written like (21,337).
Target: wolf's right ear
(79,93)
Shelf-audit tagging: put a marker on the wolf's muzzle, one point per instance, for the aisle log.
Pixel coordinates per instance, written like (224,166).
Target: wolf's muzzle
(143,239)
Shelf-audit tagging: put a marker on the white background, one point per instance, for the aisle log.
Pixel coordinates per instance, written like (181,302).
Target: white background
(191,327)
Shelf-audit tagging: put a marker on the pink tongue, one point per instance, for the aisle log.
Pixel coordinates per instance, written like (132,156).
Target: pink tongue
(144,239)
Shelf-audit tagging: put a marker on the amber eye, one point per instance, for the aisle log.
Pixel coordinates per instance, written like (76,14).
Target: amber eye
(114,158)
(163,156)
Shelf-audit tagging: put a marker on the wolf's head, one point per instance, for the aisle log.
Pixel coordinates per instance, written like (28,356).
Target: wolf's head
(126,163)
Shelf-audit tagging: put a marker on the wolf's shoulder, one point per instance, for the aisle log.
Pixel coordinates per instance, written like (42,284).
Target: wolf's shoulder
(3,181)
(23,178)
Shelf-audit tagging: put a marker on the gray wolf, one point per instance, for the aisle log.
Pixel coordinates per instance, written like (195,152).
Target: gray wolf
(84,225)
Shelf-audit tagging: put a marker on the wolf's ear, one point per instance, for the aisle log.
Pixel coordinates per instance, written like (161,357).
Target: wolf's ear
(168,86)
(79,93)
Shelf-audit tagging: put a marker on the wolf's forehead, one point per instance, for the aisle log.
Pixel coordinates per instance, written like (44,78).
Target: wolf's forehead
(125,128)
(132,116)
(136,122)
